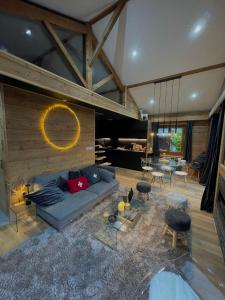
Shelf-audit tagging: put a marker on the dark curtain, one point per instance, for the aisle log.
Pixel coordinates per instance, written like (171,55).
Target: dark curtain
(188,143)
(210,149)
(216,127)
(156,151)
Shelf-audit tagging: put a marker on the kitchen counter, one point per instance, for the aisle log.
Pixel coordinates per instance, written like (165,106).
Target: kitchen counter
(124,158)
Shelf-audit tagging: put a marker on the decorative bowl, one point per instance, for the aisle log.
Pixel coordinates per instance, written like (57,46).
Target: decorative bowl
(112,219)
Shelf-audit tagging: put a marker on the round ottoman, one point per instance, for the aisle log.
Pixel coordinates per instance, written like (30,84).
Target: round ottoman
(176,200)
(176,222)
(144,187)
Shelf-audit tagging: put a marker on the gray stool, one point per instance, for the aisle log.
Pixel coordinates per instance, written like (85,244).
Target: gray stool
(177,222)
(144,187)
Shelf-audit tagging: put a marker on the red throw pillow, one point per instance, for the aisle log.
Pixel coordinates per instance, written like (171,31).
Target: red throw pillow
(78,184)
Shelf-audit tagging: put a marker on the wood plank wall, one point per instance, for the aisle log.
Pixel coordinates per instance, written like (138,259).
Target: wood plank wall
(199,137)
(28,153)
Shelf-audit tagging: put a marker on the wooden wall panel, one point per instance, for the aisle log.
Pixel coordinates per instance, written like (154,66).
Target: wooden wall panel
(28,153)
(200,137)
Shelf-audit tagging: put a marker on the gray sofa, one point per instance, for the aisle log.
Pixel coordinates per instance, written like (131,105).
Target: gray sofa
(74,205)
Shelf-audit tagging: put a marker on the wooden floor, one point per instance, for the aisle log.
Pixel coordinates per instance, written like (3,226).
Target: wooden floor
(206,251)
(205,247)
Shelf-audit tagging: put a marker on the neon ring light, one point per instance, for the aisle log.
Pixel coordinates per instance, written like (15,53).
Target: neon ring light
(44,133)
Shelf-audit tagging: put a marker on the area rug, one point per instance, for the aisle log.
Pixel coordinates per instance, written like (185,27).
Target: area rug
(74,265)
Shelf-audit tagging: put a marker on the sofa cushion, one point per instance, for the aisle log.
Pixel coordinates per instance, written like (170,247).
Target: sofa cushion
(78,184)
(106,175)
(62,184)
(102,187)
(40,181)
(62,211)
(47,196)
(92,174)
(74,174)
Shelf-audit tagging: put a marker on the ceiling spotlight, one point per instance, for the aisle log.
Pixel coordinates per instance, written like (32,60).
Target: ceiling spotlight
(199,26)
(152,101)
(134,53)
(194,95)
(197,29)
(28,32)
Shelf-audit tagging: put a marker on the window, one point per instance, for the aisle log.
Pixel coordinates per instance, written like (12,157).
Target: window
(170,143)
(110,89)
(30,40)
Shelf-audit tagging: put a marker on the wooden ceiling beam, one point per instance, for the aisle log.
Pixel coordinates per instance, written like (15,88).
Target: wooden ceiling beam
(107,30)
(188,116)
(14,68)
(105,12)
(88,56)
(178,75)
(64,51)
(31,11)
(102,82)
(108,65)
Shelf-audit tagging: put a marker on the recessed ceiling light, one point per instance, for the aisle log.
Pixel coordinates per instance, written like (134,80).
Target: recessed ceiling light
(194,95)
(197,29)
(152,101)
(134,53)
(28,32)
(199,26)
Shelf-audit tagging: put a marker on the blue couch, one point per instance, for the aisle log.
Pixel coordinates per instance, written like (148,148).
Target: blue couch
(74,205)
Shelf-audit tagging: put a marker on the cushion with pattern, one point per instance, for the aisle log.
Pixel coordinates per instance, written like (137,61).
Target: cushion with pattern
(92,174)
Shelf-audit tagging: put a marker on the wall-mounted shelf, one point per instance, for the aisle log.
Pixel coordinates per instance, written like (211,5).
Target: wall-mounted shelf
(105,164)
(100,158)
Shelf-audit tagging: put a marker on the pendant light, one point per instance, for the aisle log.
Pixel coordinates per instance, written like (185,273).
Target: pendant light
(171,109)
(164,117)
(178,100)
(159,106)
(152,132)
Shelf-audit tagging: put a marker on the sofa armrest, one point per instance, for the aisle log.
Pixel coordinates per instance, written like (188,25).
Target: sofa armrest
(110,169)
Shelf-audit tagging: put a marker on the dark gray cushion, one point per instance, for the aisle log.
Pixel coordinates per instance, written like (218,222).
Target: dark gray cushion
(73,202)
(49,195)
(177,220)
(143,187)
(106,175)
(40,181)
(110,169)
(92,174)
(102,187)
(74,174)
(62,184)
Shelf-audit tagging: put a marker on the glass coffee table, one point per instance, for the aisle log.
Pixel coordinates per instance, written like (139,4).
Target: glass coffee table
(106,232)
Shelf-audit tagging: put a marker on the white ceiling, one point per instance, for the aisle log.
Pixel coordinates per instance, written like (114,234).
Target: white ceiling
(206,87)
(78,9)
(163,35)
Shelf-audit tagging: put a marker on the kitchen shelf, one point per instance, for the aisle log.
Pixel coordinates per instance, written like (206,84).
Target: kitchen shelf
(105,164)
(100,158)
